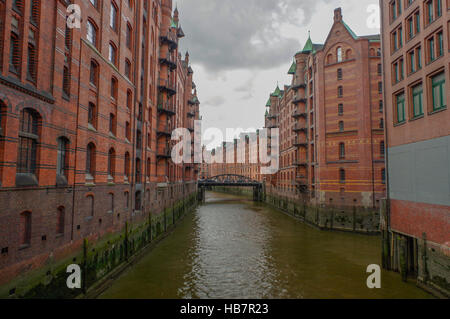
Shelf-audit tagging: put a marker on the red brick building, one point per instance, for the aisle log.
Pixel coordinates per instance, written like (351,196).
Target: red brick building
(416,61)
(86,117)
(331,122)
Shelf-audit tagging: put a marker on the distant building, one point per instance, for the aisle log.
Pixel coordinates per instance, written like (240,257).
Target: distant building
(331,122)
(416,61)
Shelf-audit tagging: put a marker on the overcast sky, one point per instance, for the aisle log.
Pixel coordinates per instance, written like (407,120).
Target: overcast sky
(240,49)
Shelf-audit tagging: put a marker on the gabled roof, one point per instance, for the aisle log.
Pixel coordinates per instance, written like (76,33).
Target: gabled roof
(308,46)
(353,34)
(293,68)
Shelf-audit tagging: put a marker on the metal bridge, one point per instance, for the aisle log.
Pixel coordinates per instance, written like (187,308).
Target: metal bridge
(231,180)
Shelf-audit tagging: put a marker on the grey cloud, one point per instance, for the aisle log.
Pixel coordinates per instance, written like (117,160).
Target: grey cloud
(215,101)
(241,34)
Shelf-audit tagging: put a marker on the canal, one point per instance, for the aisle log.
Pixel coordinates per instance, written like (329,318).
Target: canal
(232,248)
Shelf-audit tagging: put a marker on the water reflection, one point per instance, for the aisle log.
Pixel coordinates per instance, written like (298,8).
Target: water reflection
(234,248)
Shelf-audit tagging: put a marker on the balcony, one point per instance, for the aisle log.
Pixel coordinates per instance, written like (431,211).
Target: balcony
(165,86)
(298,99)
(164,153)
(297,114)
(164,131)
(301,142)
(298,128)
(166,37)
(165,107)
(169,61)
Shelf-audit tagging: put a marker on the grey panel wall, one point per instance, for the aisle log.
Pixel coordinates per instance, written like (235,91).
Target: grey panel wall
(420,172)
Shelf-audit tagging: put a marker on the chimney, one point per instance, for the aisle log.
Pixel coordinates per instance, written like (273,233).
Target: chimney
(338,15)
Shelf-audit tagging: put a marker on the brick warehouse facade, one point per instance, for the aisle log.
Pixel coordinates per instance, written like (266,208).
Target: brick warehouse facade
(85,122)
(331,122)
(416,61)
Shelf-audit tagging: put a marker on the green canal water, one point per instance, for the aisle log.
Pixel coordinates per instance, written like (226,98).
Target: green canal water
(232,248)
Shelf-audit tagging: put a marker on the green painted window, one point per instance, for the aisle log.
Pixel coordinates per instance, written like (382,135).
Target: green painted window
(412,61)
(430,11)
(417,23)
(438,91)
(439,8)
(411,28)
(419,58)
(441,43)
(400,108)
(417,95)
(400,37)
(431,48)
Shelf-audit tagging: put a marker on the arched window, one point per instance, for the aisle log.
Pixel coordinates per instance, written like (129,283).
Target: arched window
(129,36)
(25,229)
(148,167)
(28,140)
(114,88)
(93,73)
(341,126)
(341,109)
(112,124)
(113,16)
(112,53)
(91,33)
(339,74)
(90,159)
(111,163)
(340,91)
(128,131)
(62,157)
(342,150)
(128,69)
(348,54)
(60,220)
(129,99)
(127,166)
(342,175)
(92,115)
(339,54)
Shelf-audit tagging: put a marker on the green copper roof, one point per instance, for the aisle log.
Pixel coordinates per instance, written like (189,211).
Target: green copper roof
(277,92)
(349,30)
(268,104)
(308,46)
(293,68)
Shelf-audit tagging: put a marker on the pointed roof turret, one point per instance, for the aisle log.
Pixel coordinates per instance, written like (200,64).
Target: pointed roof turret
(309,45)
(268,104)
(277,92)
(293,68)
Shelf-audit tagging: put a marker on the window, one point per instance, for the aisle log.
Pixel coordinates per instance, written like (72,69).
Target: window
(138,171)
(93,74)
(341,109)
(113,17)
(60,220)
(92,115)
(128,69)
(340,91)
(90,160)
(379,69)
(380,106)
(383,176)
(138,139)
(339,74)
(138,201)
(417,99)
(68,38)
(382,149)
(396,39)
(114,88)
(66,82)
(62,158)
(31,63)
(398,70)
(400,109)
(341,150)
(25,229)
(28,140)
(381,123)
(14,54)
(111,203)
(111,163)
(34,12)
(339,54)
(341,126)
(148,167)
(127,166)
(91,33)
(342,175)
(129,36)
(2,118)
(112,53)
(112,124)
(438,91)
(380,87)
(90,203)
(128,131)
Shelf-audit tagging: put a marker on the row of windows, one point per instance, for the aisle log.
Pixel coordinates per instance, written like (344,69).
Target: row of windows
(432,10)
(342,150)
(342,176)
(437,99)
(434,45)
